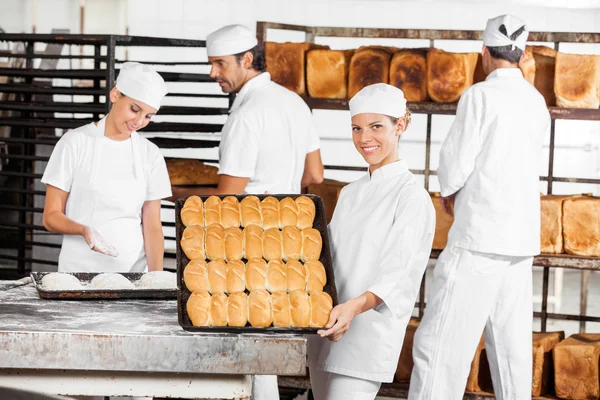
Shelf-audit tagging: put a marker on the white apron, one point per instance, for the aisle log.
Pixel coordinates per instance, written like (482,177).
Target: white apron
(112,206)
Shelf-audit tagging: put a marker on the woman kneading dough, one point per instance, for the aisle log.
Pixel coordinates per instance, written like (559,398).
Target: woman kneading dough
(104,183)
(381,235)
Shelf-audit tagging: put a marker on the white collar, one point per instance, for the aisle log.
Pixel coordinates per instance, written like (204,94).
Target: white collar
(258,81)
(389,170)
(505,73)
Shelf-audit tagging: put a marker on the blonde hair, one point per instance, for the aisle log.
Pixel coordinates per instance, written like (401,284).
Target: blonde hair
(407,116)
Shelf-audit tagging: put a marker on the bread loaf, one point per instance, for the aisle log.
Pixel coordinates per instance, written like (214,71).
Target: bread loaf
(272,247)
(191,172)
(253,242)
(316,277)
(234,243)
(215,242)
(405,362)
(218,309)
(576,80)
(276,280)
(295,273)
(300,308)
(306,212)
(269,208)
(311,244)
(192,242)
(192,212)
(444,218)
(235,281)
(551,230)
(198,308)
(259,308)
(237,309)
(327,73)
(230,212)
(288,212)
(449,74)
(321,305)
(286,64)
(581,226)
(538,66)
(576,367)
(217,274)
(408,72)
(195,276)
(212,211)
(282,317)
(256,274)
(543,369)
(250,211)
(369,65)
(291,238)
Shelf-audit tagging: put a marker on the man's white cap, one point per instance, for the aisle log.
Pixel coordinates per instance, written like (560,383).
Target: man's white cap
(230,40)
(499,30)
(379,98)
(141,82)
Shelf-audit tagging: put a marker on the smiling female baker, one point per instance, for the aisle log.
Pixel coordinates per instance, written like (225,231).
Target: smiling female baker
(104,183)
(381,235)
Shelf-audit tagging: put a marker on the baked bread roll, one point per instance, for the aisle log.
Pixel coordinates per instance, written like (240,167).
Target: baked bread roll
(300,308)
(230,212)
(369,65)
(282,317)
(184,171)
(288,212)
(259,308)
(327,73)
(237,309)
(295,273)
(306,212)
(321,305)
(234,243)
(311,244)
(291,238)
(270,212)
(212,211)
(198,308)
(576,80)
(408,72)
(449,74)
(192,212)
(235,280)
(250,211)
(215,242)
(316,278)
(218,309)
(253,242)
(192,242)
(256,274)
(272,247)
(217,274)
(195,276)
(276,280)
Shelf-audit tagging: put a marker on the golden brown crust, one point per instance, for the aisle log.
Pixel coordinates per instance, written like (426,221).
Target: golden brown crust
(198,308)
(576,80)
(184,171)
(369,65)
(259,309)
(449,74)
(408,71)
(192,212)
(195,276)
(193,241)
(327,73)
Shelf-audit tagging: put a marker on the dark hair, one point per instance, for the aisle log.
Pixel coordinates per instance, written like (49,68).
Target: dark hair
(506,52)
(258,58)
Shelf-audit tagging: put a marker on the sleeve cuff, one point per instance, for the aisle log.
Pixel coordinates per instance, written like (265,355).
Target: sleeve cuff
(383,291)
(235,172)
(159,196)
(60,185)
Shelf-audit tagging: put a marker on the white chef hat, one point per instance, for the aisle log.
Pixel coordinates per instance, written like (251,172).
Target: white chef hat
(379,98)
(502,31)
(230,40)
(141,82)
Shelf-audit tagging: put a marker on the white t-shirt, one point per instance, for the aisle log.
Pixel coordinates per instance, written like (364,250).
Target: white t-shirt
(266,137)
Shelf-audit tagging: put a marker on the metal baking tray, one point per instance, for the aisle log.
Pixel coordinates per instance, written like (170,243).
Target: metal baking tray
(108,294)
(183,294)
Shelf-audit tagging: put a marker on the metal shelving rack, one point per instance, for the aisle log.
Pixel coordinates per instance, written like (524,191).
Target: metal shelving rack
(30,117)
(547,261)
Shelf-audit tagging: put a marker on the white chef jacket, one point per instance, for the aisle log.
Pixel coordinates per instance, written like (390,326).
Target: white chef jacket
(381,235)
(491,158)
(108,182)
(266,137)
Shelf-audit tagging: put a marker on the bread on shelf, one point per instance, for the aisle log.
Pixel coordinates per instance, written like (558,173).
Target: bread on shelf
(408,72)
(449,74)
(183,171)
(327,73)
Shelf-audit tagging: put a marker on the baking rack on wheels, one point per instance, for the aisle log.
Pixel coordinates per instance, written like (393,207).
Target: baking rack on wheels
(129,348)
(547,261)
(61,81)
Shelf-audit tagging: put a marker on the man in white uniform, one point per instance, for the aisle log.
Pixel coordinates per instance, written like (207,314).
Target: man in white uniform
(490,161)
(269,143)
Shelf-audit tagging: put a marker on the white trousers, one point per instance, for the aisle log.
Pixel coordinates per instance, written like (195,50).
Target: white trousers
(330,386)
(472,291)
(264,387)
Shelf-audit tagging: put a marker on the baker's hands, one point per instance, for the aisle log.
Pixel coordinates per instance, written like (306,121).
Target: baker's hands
(340,319)
(97,242)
